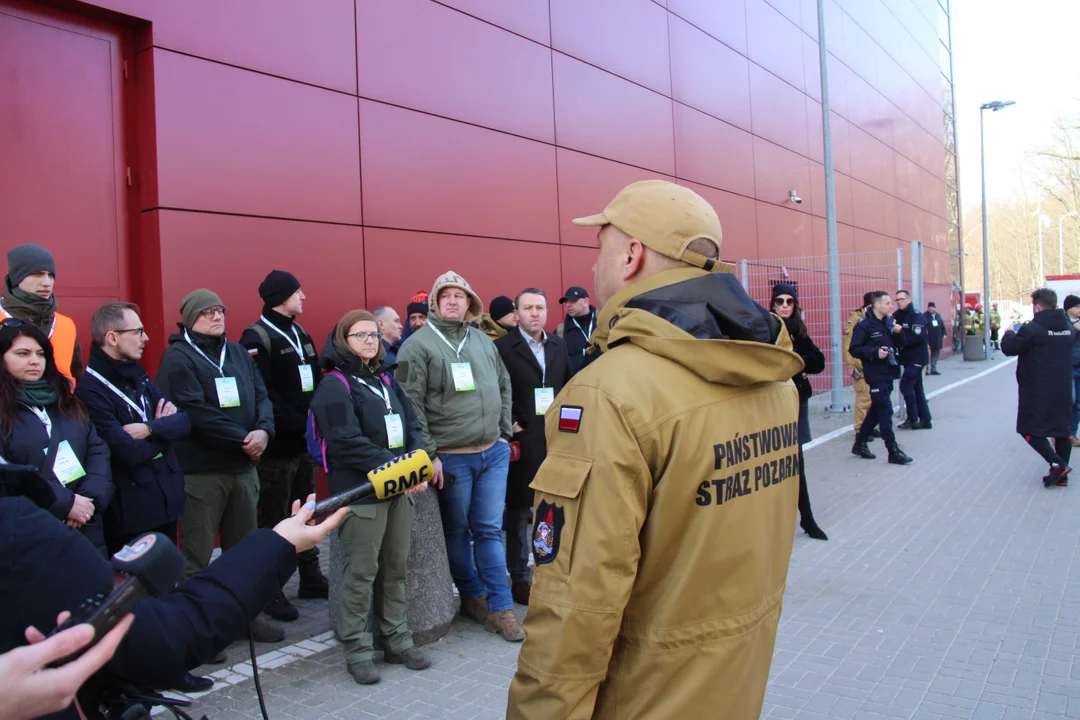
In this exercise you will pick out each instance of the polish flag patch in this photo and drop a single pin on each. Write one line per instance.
(569, 419)
(253, 351)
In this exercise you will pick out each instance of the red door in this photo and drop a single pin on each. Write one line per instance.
(63, 178)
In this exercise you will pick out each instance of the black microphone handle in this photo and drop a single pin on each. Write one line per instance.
(350, 497)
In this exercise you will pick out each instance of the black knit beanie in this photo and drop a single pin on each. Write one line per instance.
(500, 307)
(1071, 301)
(418, 305)
(278, 287)
(784, 289)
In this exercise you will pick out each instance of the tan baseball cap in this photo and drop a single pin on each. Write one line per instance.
(666, 218)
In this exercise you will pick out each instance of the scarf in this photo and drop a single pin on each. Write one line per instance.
(39, 393)
(28, 306)
(120, 373)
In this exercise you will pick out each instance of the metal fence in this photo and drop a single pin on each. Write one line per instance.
(859, 273)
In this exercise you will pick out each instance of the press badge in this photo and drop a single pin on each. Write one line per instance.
(544, 397)
(395, 432)
(463, 379)
(307, 379)
(66, 465)
(228, 393)
(934, 323)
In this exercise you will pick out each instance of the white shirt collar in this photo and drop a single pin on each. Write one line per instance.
(528, 338)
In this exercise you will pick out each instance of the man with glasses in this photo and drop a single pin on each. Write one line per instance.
(232, 421)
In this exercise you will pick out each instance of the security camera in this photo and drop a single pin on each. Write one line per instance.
(795, 198)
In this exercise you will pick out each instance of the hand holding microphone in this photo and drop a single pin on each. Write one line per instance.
(402, 474)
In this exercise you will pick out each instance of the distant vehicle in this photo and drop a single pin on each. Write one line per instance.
(1063, 285)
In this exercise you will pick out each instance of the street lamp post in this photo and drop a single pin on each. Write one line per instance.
(1061, 243)
(1041, 221)
(993, 107)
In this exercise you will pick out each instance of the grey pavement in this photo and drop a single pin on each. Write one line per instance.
(947, 589)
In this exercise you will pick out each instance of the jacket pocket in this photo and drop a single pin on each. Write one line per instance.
(368, 512)
(558, 487)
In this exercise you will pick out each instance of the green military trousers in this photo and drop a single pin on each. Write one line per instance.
(216, 502)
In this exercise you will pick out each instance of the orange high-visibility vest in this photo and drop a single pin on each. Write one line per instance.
(63, 342)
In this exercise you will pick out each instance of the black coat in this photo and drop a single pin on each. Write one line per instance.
(869, 335)
(217, 434)
(525, 377)
(46, 568)
(575, 333)
(1043, 373)
(912, 343)
(935, 334)
(26, 445)
(351, 422)
(813, 362)
(279, 366)
(146, 473)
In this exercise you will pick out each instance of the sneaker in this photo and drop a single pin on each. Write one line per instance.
(520, 592)
(475, 609)
(1058, 476)
(861, 449)
(412, 658)
(506, 624)
(264, 632)
(281, 609)
(192, 684)
(313, 585)
(364, 672)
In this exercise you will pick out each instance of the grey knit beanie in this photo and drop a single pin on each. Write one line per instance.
(26, 260)
(195, 302)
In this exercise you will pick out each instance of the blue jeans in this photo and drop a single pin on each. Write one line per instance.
(1076, 403)
(473, 506)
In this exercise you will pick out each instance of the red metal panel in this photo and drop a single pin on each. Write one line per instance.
(777, 172)
(869, 213)
(774, 42)
(708, 75)
(841, 137)
(641, 52)
(815, 133)
(845, 211)
(738, 220)
(861, 51)
(725, 21)
(577, 269)
(586, 185)
(779, 110)
(817, 189)
(469, 70)
(604, 115)
(712, 152)
(866, 154)
(812, 68)
(492, 267)
(524, 17)
(890, 209)
(427, 173)
(221, 128)
(790, 9)
(783, 233)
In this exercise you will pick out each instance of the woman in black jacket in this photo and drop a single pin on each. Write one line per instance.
(785, 303)
(366, 420)
(44, 426)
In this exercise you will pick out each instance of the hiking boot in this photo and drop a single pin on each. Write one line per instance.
(506, 624)
(475, 609)
(281, 609)
(875, 433)
(264, 632)
(520, 592)
(313, 584)
(897, 456)
(861, 449)
(364, 672)
(810, 527)
(411, 658)
(908, 425)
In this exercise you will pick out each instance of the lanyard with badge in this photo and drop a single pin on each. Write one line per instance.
(543, 396)
(228, 391)
(307, 378)
(588, 335)
(395, 431)
(462, 371)
(66, 465)
(141, 411)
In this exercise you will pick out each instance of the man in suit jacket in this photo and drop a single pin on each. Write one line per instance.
(539, 366)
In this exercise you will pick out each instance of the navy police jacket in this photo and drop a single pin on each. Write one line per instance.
(914, 343)
(869, 335)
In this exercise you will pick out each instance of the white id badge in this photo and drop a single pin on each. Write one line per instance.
(544, 397)
(463, 379)
(307, 379)
(66, 466)
(395, 432)
(934, 323)
(228, 393)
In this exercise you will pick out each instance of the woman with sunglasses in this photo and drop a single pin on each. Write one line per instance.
(785, 303)
(366, 420)
(43, 425)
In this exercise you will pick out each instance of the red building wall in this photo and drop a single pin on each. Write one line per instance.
(369, 145)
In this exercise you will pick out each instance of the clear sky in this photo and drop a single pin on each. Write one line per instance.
(1022, 50)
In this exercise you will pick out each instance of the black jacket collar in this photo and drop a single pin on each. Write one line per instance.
(283, 322)
(121, 373)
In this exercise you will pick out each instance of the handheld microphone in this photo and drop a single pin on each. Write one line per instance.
(393, 478)
(150, 565)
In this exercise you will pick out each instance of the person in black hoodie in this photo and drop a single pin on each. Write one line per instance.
(785, 303)
(232, 421)
(285, 356)
(1044, 376)
(46, 427)
(577, 329)
(366, 420)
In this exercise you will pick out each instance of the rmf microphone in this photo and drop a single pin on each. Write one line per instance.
(150, 565)
(393, 478)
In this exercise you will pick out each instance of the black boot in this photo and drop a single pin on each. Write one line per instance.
(810, 527)
(897, 456)
(908, 425)
(875, 433)
(281, 609)
(926, 425)
(313, 584)
(192, 684)
(861, 449)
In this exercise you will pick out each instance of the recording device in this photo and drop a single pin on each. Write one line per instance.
(891, 358)
(150, 565)
(393, 478)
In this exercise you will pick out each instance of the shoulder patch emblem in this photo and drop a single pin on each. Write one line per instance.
(548, 528)
(918, 329)
(570, 418)
(253, 351)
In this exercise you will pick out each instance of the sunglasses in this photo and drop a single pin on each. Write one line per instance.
(784, 301)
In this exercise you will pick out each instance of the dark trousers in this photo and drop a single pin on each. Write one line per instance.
(113, 544)
(880, 413)
(806, 514)
(517, 524)
(935, 355)
(1076, 404)
(1058, 455)
(282, 480)
(994, 338)
(911, 387)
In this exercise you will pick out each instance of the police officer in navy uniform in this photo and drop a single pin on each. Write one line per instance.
(914, 355)
(872, 342)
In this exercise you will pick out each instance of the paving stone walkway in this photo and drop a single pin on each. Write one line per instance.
(947, 589)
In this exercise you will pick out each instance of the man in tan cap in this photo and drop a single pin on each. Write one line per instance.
(666, 507)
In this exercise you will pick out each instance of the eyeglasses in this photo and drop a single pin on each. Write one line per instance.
(210, 312)
(364, 337)
(138, 331)
(784, 301)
